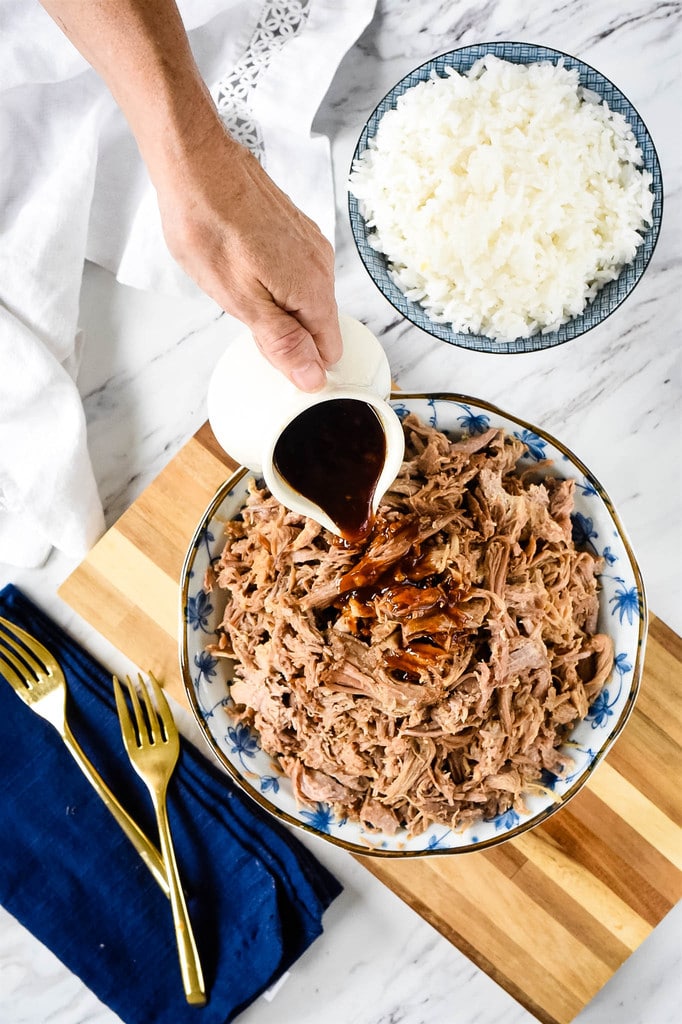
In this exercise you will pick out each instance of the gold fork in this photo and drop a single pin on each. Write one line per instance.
(35, 675)
(153, 746)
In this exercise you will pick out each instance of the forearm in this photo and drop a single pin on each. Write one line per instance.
(225, 221)
(140, 49)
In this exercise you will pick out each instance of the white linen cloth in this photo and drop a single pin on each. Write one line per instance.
(73, 187)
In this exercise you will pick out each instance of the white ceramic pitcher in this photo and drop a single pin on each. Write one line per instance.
(250, 404)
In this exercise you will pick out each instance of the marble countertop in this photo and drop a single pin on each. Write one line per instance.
(613, 396)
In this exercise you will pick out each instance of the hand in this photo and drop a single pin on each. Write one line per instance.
(234, 232)
(243, 241)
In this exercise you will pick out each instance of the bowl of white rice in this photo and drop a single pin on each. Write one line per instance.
(505, 197)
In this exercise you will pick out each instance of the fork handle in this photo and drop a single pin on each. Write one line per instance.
(188, 955)
(147, 851)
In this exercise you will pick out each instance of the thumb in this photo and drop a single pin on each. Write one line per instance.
(290, 348)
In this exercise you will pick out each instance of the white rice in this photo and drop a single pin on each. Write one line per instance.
(504, 198)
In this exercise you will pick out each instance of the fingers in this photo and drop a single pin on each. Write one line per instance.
(286, 343)
(325, 331)
(301, 341)
(307, 294)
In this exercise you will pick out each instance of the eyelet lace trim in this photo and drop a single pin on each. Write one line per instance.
(279, 22)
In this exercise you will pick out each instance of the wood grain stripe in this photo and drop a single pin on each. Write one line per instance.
(579, 916)
(612, 869)
(506, 911)
(142, 640)
(578, 884)
(636, 812)
(479, 926)
(125, 565)
(651, 762)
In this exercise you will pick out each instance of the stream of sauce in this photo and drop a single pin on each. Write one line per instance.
(333, 454)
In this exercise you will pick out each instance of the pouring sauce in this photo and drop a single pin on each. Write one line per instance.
(333, 454)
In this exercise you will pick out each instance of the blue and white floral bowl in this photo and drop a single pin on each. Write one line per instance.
(622, 614)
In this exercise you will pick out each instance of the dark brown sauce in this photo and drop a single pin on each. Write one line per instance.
(401, 580)
(333, 455)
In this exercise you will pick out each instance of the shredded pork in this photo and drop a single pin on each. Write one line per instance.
(431, 672)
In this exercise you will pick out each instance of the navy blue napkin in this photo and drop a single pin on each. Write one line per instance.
(67, 872)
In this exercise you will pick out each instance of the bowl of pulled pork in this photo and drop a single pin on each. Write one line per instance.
(443, 684)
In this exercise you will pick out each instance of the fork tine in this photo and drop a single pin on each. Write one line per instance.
(27, 650)
(165, 714)
(16, 681)
(127, 728)
(152, 717)
(140, 723)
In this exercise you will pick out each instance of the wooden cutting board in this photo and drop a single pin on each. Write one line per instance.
(551, 915)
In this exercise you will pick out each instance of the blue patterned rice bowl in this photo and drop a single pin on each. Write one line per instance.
(608, 298)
